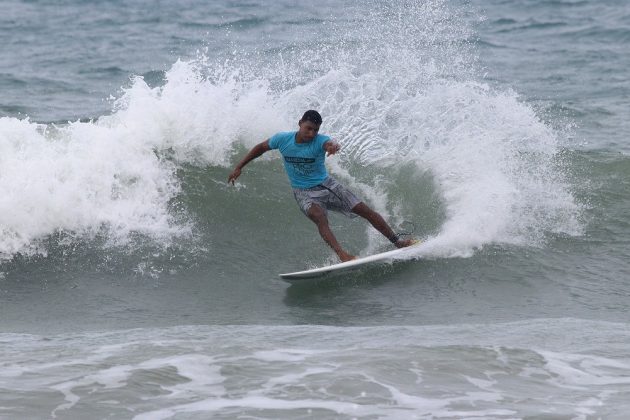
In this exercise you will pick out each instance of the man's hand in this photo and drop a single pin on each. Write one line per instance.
(235, 174)
(331, 147)
(256, 151)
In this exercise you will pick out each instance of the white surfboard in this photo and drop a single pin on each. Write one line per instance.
(383, 257)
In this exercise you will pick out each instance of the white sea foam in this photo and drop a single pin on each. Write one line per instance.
(77, 179)
(117, 174)
(490, 370)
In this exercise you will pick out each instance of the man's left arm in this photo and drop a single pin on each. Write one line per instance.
(331, 147)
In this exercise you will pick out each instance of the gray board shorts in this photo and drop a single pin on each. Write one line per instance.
(329, 195)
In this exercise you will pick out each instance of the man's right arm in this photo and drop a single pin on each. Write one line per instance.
(256, 151)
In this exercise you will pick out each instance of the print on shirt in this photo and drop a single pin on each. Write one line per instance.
(301, 165)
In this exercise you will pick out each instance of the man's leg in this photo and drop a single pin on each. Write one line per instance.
(318, 216)
(380, 224)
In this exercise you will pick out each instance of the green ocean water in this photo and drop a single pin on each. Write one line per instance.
(136, 283)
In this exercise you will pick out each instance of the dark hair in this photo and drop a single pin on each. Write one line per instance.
(312, 116)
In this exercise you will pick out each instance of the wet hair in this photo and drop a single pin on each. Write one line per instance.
(312, 116)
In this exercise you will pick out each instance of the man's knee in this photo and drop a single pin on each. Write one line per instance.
(316, 213)
(362, 210)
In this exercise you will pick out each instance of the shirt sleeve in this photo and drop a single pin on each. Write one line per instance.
(323, 140)
(274, 141)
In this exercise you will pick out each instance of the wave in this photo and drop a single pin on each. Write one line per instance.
(405, 102)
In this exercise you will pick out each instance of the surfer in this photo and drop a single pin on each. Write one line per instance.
(304, 152)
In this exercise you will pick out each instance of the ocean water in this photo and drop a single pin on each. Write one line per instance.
(136, 283)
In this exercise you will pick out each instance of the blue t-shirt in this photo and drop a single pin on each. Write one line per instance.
(303, 162)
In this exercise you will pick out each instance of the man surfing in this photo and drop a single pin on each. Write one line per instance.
(304, 152)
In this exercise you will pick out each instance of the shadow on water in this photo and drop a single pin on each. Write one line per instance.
(349, 298)
(369, 277)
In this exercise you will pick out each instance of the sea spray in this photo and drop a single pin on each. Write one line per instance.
(495, 165)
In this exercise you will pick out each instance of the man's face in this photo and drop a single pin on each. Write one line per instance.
(308, 130)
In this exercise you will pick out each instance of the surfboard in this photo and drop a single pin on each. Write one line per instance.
(316, 273)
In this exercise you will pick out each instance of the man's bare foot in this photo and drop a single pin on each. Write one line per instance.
(344, 256)
(402, 243)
